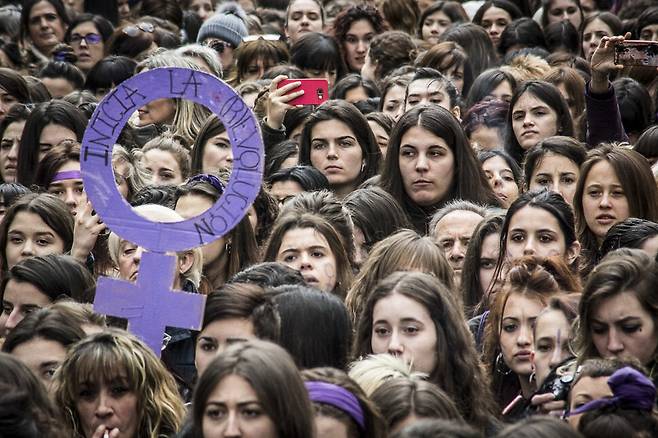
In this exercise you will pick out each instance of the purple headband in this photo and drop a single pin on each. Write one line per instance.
(338, 397)
(69, 174)
(631, 390)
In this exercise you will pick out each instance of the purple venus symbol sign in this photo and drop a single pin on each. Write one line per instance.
(150, 304)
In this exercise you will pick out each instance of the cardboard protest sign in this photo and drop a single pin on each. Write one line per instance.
(150, 305)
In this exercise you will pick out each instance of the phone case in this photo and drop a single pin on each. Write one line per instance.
(316, 91)
(637, 53)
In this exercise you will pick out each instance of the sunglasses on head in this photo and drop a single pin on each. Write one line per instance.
(133, 31)
(266, 37)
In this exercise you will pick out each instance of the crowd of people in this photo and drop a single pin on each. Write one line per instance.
(460, 241)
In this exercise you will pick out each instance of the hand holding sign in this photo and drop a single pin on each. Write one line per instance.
(150, 305)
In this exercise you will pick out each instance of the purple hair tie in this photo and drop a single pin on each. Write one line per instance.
(69, 174)
(631, 390)
(338, 397)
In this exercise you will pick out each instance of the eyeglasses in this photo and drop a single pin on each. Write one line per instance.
(90, 38)
(218, 45)
(133, 31)
(266, 37)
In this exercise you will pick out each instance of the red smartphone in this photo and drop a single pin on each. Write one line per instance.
(637, 53)
(316, 91)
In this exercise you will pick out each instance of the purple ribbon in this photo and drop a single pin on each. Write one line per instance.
(69, 174)
(338, 397)
(631, 390)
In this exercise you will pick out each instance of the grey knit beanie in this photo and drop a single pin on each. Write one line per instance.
(226, 25)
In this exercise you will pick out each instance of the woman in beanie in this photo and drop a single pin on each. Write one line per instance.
(224, 32)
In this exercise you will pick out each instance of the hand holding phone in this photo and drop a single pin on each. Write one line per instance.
(316, 91)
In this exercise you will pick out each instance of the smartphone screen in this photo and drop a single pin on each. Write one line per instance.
(637, 53)
(316, 91)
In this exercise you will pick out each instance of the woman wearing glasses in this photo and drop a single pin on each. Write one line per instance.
(87, 36)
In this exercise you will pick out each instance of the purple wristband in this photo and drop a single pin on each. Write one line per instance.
(338, 397)
(69, 174)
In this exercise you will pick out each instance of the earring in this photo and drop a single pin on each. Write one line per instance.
(363, 165)
(227, 248)
(500, 366)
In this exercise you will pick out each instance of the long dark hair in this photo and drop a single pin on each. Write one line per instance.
(469, 182)
(551, 96)
(459, 372)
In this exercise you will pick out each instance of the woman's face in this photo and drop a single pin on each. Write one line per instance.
(256, 69)
(9, 143)
(42, 356)
(284, 190)
(121, 172)
(130, 255)
(394, 101)
(456, 76)
(494, 21)
(162, 167)
(87, 44)
(217, 154)
(403, 327)
(189, 206)
(488, 259)
(357, 42)
(500, 177)
(552, 334)
(20, 299)
(369, 69)
(303, 16)
(534, 231)
(486, 138)
(308, 251)
(556, 173)
(427, 166)
(108, 406)
(516, 338)
(502, 92)
(533, 120)
(218, 335)
(234, 410)
(434, 26)
(592, 35)
(45, 26)
(53, 134)
(69, 188)
(585, 390)
(427, 91)
(7, 101)
(157, 111)
(381, 136)
(328, 73)
(621, 326)
(336, 152)
(29, 236)
(203, 8)
(564, 10)
(604, 200)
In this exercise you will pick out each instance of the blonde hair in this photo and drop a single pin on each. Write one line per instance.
(370, 373)
(527, 68)
(163, 214)
(137, 177)
(115, 354)
(189, 116)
